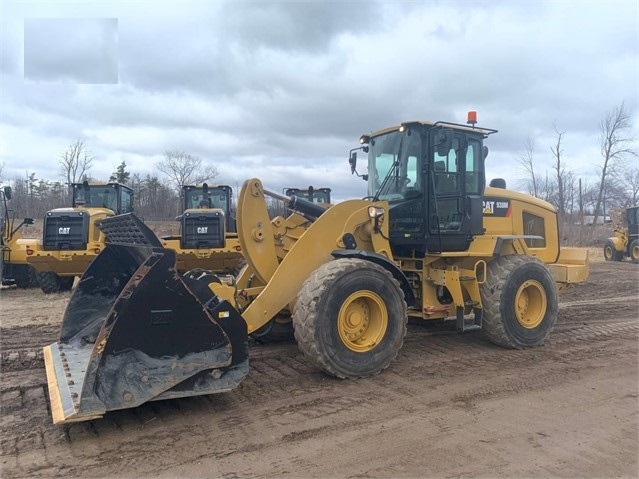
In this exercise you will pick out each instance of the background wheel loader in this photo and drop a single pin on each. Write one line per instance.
(429, 242)
(208, 238)
(314, 195)
(625, 242)
(14, 269)
(70, 238)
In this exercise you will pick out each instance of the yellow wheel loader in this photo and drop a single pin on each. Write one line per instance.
(625, 242)
(208, 238)
(70, 238)
(314, 195)
(429, 242)
(14, 269)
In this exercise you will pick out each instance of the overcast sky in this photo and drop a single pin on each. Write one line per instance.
(283, 90)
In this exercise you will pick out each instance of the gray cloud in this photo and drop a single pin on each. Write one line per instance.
(283, 90)
(71, 50)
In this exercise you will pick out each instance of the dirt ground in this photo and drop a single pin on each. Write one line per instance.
(450, 405)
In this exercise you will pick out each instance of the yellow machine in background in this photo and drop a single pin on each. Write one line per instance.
(208, 238)
(429, 242)
(14, 269)
(312, 194)
(625, 242)
(70, 237)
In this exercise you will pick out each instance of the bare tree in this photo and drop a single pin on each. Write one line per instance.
(616, 144)
(560, 172)
(626, 180)
(185, 169)
(531, 182)
(546, 188)
(631, 174)
(76, 162)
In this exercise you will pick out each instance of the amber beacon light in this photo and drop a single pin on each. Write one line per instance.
(472, 117)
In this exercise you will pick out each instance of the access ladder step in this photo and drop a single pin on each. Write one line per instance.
(473, 324)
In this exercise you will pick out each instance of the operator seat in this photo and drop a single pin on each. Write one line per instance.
(444, 182)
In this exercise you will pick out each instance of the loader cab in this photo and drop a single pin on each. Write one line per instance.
(113, 196)
(71, 228)
(632, 219)
(433, 176)
(316, 195)
(206, 216)
(207, 197)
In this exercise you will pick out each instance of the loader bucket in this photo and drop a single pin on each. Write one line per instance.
(136, 331)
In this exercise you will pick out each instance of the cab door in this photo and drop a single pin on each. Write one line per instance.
(457, 184)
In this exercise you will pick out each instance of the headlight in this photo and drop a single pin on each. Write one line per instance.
(375, 211)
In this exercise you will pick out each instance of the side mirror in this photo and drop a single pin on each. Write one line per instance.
(353, 161)
(485, 151)
(7, 192)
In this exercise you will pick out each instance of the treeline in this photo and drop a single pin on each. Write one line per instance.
(153, 198)
(580, 203)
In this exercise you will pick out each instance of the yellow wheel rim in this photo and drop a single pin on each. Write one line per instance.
(362, 321)
(635, 252)
(530, 304)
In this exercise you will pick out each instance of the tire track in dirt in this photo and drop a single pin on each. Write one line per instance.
(251, 410)
(285, 400)
(424, 356)
(592, 302)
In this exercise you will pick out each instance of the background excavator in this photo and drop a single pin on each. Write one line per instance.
(429, 242)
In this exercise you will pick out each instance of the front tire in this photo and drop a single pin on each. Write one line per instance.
(520, 302)
(611, 253)
(634, 251)
(350, 318)
(52, 283)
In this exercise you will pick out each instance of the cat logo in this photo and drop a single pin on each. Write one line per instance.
(499, 207)
(202, 230)
(489, 207)
(64, 231)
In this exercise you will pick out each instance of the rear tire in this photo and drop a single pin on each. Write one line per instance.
(350, 318)
(520, 302)
(634, 251)
(277, 330)
(25, 276)
(52, 283)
